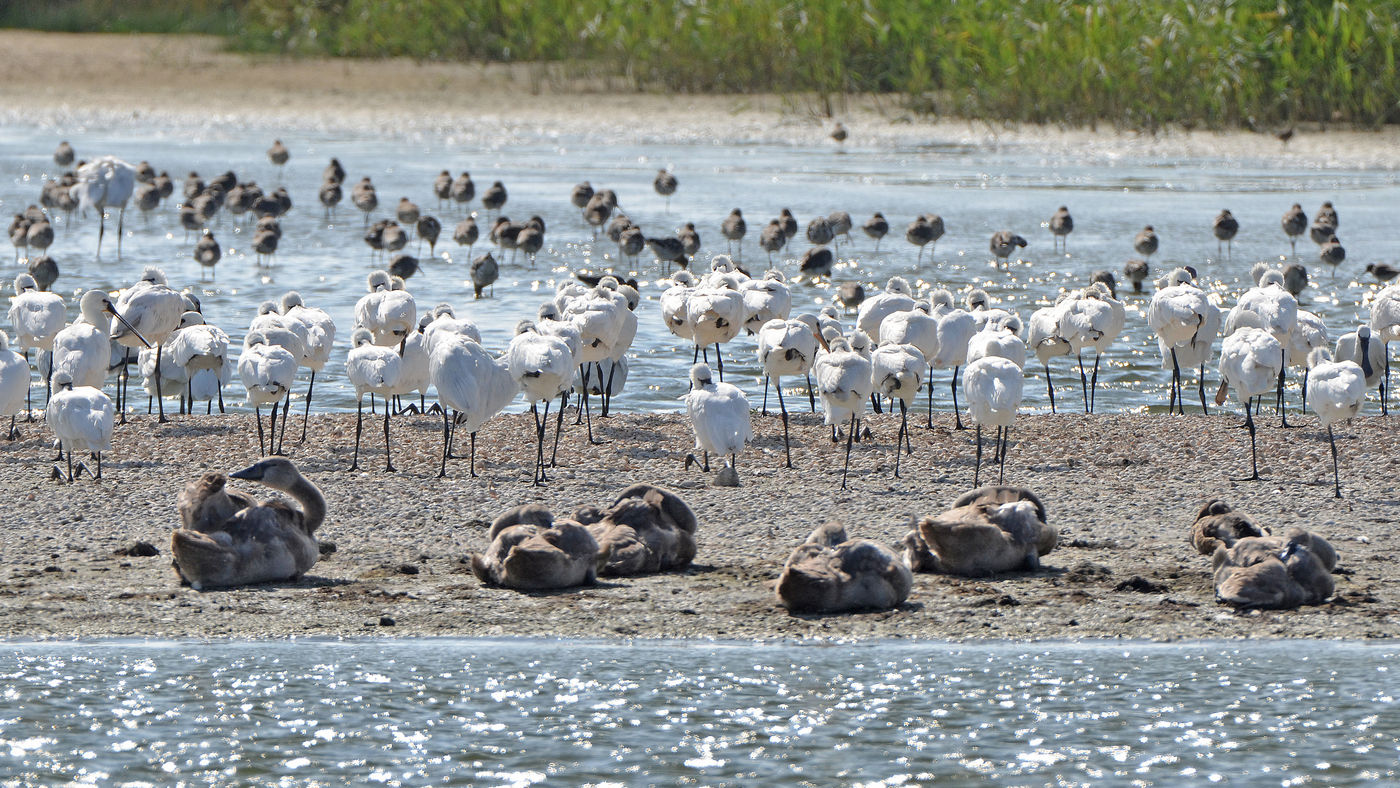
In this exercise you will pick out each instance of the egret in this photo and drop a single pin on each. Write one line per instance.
(1337, 390)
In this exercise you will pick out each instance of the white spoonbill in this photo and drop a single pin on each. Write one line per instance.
(897, 371)
(993, 387)
(81, 419)
(1250, 362)
(1267, 305)
(955, 329)
(1337, 390)
(765, 299)
(897, 297)
(1385, 328)
(915, 327)
(151, 313)
(1044, 340)
(105, 182)
(82, 350)
(36, 318)
(1360, 346)
(1186, 324)
(14, 383)
(787, 347)
(999, 338)
(716, 315)
(1308, 334)
(320, 339)
(844, 383)
(371, 369)
(719, 417)
(472, 387)
(202, 350)
(1091, 318)
(267, 372)
(543, 367)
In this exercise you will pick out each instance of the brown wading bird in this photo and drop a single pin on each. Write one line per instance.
(1275, 573)
(1145, 243)
(665, 185)
(830, 573)
(648, 529)
(1061, 225)
(1295, 223)
(228, 539)
(1225, 227)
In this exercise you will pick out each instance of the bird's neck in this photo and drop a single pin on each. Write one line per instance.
(313, 504)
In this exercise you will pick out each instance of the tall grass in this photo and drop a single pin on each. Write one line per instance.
(1138, 63)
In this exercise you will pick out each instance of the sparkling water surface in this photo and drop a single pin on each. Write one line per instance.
(525, 712)
(1112, 192)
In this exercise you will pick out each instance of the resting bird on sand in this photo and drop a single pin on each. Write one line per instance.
(988, 530)
(832, 574)
(256, 543)
(649, 529)
(530, 550)
(1275, 573)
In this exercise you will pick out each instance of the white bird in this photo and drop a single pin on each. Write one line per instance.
(543, 367)
(915, 327)
(1337, 390)
(716, 315)
(719, 417)
(600, 322)
(471, 386)
(611, 380)
(897, 297)
(1251, 360)
(414, 353)
(765, 299)
(173, 380)
(105, 182)
(999, 338)
(267, 372)
(955, 329)
(897, 371)
(81, 420)
(993, 387)
(979, 305)
(1186, 324)
(83, 350)
(786, 347)
(446, 323)
(320, 340)
(1309, 333)
(1269, 306)
(389, 314)
(202, 350)
(1385, 327)
(371, 369)
(844, 383)
(1091, 317)
(1360, 346)
(673, 305)
(150, 312)
(36, 318)
(1044, 340)
(14, 383)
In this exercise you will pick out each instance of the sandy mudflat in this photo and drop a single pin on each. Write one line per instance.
(1122, 490)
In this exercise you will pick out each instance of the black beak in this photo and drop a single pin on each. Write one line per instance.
(1366, 368)
(124, 322)
(252, 473)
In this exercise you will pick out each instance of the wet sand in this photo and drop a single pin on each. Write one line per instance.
(1122, 490)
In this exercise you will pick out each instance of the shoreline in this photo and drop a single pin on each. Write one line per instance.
(399, 557)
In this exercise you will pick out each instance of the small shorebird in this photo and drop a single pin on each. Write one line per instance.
(1004, 243)
(926, 229)
(1383, 272)
(876, 227)
(1332, 253)
(1225, 227)
(1295, 223)
(665, 185)
(1146, 242)
(1061, 225)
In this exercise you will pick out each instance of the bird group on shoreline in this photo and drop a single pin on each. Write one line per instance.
(576, 348)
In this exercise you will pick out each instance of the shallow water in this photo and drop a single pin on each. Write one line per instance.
(1112, 189)
(530, 711)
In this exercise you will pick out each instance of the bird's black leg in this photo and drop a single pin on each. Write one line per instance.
(1336, 478)
(849, 437)
(388, 462)
(957, 414)
(977, 464)
(1084, 382)
(306, 416)
(473, 460)
(811, 394)
(1094, 382)
(257, 415)
(558, 427)
(1201, 383)
(764, 411)
(930, 397)
(446, 436)
(1049, 386)
(359, 422)
(787, 444)
(1005, 443)
(160, 394)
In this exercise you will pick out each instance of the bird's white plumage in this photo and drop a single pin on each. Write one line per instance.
(35, 316)
(897, 297)
(715, 314)
(786, 347)
(845, 380)
(1184, 319)
(995, 341)
(765, 299)
(82, 350)
(1043, 336)
(1308, 334)
(1336, 390)
(319, 331)
(993, 388)
(1385, 314)
(1091, 318)
(14, 379)
(541, 365)
(468, 380)
(267, 371)
(1360, 346)
(897, 371)
(719, 414)
(81, 418)
(911, 327)
(152, 308)
(1250, 362)
(955, 329)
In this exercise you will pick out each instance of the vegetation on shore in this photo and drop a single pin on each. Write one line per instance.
(1134, 63)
